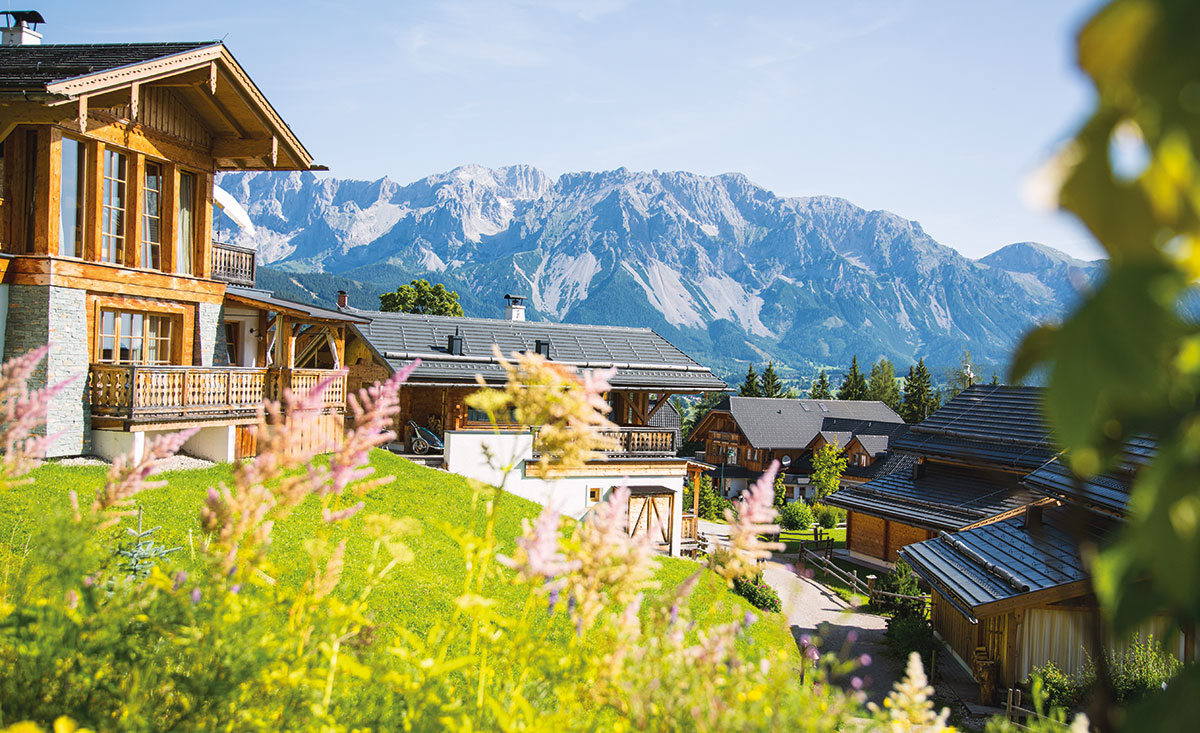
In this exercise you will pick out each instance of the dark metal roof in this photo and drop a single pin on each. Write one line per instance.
(945, 497)
(782, 423)
(1003, 560)
(986, 424)
(31, 68)
(1108, 492)
(267, 299)
(644, 359)
(650, 491)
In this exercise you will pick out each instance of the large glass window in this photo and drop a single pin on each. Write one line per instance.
(152, 217)
(135, 338)
(112, 212)
(185, 232)
(72, 178)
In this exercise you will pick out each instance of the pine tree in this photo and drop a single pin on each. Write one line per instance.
(771, 386)
(820, 389)
(854, 386)
(883, 385)
(751, 387)
(919, 398)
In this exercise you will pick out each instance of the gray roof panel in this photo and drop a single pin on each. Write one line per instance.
(32, 68)
(782, 423)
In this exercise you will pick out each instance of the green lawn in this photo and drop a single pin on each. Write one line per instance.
(415, 594)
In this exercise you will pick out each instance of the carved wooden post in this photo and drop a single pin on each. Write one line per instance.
(871, 588)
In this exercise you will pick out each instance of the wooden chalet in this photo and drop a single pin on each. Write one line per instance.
(960, 468)
(742, 435)
(1013, 594)
(108, 156)
(455, 351)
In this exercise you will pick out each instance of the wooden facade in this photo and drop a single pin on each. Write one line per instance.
(107, 188)
(878, 538)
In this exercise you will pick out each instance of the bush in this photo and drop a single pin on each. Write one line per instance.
(1060, 690)
(910, 632)
(795, 516)
(758, 593)
(827, 516)
(902, 581)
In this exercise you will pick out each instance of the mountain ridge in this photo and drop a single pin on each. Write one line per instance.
(716, 263)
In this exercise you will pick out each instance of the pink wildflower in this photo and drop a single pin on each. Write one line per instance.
(127, 477)
(756, 517)
(538, 558)
(342, 514)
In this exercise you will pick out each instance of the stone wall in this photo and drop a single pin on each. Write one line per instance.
(210, 336)
(38, 315)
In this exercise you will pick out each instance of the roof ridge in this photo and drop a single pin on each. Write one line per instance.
(477, 319)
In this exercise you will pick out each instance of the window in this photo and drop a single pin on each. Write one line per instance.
(185, 224)
(112, 210)
(594, 494)
(233, 340)
(135, 338)
(474, 415)
(72, 184)
(152, 217)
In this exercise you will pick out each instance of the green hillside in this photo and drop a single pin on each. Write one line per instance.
(414, 595)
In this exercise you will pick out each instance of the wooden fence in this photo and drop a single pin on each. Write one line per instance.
(861, 586)
(1017, 715)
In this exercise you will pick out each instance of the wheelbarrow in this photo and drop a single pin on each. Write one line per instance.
(424, 439)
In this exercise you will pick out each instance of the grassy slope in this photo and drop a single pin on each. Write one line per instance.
(415, 594)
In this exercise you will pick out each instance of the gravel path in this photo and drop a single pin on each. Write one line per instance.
(813, 610)
(174, 463)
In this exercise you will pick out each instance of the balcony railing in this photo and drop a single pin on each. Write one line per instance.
(233, 264)
(150, 393)
(637, 442)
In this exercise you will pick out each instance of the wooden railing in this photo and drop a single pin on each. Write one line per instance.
(233, 264)
(642, 442)
(689, 526)
(181, 393)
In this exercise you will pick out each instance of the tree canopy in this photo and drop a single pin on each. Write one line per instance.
(854, 385)
(771, 386)
(962, 376)
(829, 463)
(820, 389)
(883, 385)
(750, 385)
(920, 400)
(421, 297)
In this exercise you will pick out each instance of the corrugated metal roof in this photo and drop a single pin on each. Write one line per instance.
(1108, 492)
(987, 424)
(1003, 560)
(644, 359)
(31, 68)
(944, 498)
(782, 423)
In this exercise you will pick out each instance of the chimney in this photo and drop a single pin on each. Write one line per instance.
(454, 344)
(343, 300)
(515, 311)
(1033, 516)
(20, 29)
(542, 346)
(918, 469)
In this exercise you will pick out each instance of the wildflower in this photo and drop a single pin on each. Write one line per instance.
(127, 477)
(195, 595)
(856, 683)
(909, 705)
(180, 579)
(23, 413)
(342, 514)
(538, 558)
(865, 660)
(755, 518)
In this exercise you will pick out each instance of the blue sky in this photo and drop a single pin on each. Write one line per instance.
(937, 111)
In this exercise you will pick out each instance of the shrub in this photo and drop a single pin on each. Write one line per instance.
(1142, 667)
(760, 595)
(902, 581)
(795, 516)
(1059, 689)
(827, 516)
(910, 632)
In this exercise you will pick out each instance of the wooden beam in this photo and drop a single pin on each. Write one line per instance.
(135, 100)
(135, 173)
(235, 148)
(91, 201)
(1025, 600)
(662, 400)
(33, 113)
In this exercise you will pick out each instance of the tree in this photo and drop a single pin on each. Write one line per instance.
(883, 385)
(423, 298)
(695, 412)
(780, 491)
(919, 398)
(829, 463)
(961, 377)
(854, 386)
(750, 387)
(771, 386)
(820, 389)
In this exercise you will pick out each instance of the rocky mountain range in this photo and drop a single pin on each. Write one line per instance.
(724, 268)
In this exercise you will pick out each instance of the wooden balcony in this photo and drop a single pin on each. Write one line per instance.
(637, 442)
(233, 264)
(186, 393)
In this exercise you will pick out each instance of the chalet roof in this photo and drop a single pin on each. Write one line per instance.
(267, 300)
(667, 417)
(987, 425)
(1106, 493)
(943, 498)
(873, 444)
(33, 68)
(644, 359)
(980, 567)
(63, 82)
(783, 423)
(840, 437)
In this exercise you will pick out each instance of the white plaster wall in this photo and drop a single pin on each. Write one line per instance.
(108, 444)
(465, 454)
(215, 443)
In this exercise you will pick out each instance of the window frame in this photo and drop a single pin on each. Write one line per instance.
(82, 202)
(113, 237)
(150, 251)
(193, 223)
(148, 334)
